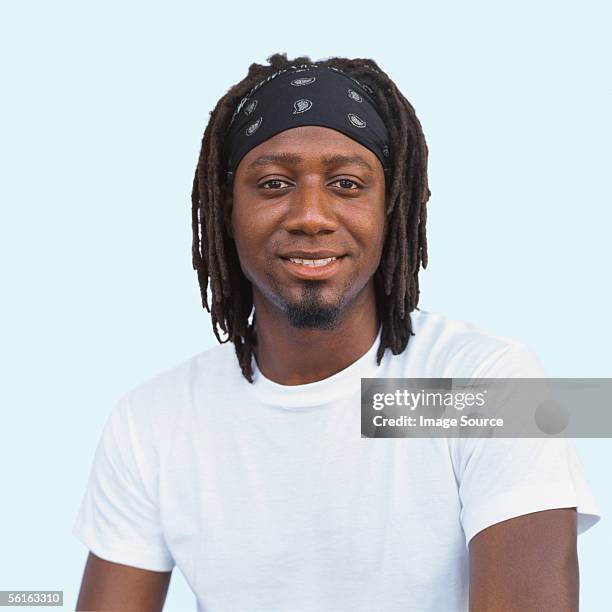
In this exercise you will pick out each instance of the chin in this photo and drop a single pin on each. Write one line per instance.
(322, 317)
(312, 311)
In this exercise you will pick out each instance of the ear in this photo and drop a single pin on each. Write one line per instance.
(385, 228)
(228, 204)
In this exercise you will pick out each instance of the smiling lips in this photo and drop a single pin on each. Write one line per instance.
(315, 266)
(320, 254)
(312, 262)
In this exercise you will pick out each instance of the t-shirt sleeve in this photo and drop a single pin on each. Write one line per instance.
(119, 517)
(502, 478)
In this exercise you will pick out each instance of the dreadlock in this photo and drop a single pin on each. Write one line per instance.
(214, 254)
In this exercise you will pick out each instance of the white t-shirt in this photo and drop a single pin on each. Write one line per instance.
(267, 497)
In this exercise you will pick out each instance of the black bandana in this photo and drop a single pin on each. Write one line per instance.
(313, 95)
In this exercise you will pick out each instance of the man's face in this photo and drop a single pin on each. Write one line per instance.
(308, 194)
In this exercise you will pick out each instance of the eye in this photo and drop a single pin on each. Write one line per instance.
(346, 184)
(272, 184)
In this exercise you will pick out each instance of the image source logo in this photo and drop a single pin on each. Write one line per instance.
(486, 408)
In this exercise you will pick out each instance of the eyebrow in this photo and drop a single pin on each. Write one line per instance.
(295, 160)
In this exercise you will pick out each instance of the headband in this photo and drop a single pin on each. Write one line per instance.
(306, 95)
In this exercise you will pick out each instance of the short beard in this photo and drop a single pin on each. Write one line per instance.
(309, 313)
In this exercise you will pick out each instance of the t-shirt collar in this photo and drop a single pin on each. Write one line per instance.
(321, 392)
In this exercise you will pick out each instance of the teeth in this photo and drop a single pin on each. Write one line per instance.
(312, 262)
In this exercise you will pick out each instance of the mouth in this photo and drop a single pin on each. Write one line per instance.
(313, 268)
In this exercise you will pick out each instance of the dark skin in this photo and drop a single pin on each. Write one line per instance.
(526, 564)
(280, 207)
(322, 202)
(113, 586)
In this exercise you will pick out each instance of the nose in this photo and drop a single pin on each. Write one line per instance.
(310, 210)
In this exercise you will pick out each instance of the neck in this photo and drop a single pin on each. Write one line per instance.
(292, 356)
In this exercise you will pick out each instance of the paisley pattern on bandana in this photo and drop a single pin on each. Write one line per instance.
(354, 95)
(250, 107)
(253, 127)
(301, 106)
(333, 99)
(303, 81)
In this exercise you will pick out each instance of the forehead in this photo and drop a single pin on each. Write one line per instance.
(310, 144)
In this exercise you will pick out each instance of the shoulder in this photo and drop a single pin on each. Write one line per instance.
(443, 346)
(154, 405)
(214, 364)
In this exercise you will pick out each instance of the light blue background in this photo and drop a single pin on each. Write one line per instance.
(104, 106)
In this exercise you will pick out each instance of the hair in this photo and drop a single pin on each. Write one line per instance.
(214, 255)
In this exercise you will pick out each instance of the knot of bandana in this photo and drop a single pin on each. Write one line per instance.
(306, 95)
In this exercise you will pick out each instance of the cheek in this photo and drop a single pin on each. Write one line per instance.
(250, 238)
(371, 236)
(246, 254)
(240, 226)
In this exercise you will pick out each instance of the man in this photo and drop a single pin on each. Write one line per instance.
(244, 465)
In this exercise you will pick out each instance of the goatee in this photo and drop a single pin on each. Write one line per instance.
(310, 313)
